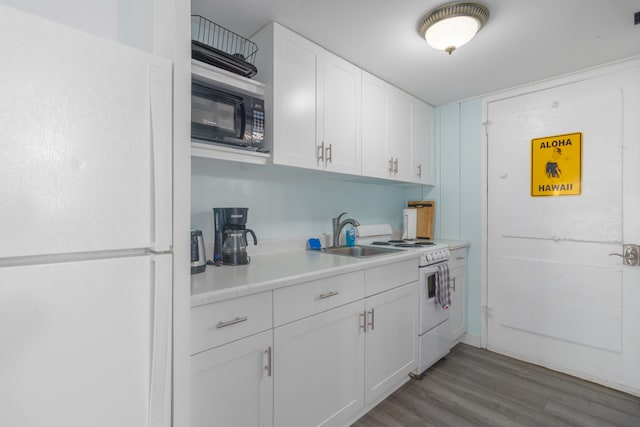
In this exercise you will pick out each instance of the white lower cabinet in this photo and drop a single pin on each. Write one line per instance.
(390, 344)
(232, 385)
(319, 368)
(458, 287)
(332, 354)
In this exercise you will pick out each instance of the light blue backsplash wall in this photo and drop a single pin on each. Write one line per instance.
(291, 203)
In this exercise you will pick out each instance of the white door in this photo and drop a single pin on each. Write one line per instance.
(555, 296)
(76, 343)
(232, 385)
(319, 368)
(391, 339)
(85, 146)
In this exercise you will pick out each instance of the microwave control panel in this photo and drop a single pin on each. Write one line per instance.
(257, 129)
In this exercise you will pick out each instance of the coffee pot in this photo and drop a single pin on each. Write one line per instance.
(230, 236)
(234, 249)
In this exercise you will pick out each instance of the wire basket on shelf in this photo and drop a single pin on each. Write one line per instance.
(216, 45)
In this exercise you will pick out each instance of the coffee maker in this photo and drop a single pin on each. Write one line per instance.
(230, 236)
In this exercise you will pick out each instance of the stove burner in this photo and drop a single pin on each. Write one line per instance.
(404, 245)
(381, 243)
(397, 241)
(424, 243)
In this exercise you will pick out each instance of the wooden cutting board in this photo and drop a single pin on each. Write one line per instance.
(425, 217)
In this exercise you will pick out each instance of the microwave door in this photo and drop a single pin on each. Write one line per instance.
(216, 116)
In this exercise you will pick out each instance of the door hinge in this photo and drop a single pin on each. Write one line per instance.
(485, 312)
(486, 127)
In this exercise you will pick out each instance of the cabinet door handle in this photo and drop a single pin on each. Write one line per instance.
(363, 321)
(320, 153)
(372, 323)
(232, 322)
(460, 258)
(391, 165)
(419, 170)
(329, 154)
(395, 165)
(453, 286)
(328, 295)
(268, 351)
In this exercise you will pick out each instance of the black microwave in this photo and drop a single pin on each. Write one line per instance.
(220, 116)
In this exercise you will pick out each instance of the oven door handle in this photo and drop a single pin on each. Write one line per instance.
(428, 269)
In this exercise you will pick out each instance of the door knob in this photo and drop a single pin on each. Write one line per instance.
(630, 255)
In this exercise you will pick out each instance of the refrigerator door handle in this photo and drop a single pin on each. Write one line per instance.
(160, 373)
(161, 138)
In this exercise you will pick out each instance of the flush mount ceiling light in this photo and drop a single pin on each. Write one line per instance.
(453, 24)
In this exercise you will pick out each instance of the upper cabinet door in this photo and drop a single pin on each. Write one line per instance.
(85, 142)
(399, 133)
(341, 100)
(375, 159)
(422, 143)
(295, 114)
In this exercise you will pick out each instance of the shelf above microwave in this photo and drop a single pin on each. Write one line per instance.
(210, 151)
(209, 74)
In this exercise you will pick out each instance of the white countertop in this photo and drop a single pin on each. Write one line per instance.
(268, 271)
(454, 244)
(272, 271)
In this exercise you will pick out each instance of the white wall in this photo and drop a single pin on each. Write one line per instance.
(289, 203)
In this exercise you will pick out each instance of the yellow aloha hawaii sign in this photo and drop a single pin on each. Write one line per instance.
(556, 165)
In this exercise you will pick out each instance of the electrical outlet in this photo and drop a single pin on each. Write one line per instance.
(636, 18)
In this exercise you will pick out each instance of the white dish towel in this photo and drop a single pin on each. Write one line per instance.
(443, 294)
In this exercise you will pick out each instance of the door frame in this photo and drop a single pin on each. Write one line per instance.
(587, 74)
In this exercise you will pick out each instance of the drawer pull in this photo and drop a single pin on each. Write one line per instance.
(328, 295)
(460, 257)
(231, 322)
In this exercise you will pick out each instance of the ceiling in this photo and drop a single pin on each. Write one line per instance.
(524, 41)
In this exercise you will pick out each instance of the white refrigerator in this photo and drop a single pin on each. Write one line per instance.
(85, 229)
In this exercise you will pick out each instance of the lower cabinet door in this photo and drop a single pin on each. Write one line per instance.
(391, 339)
(319, 367)
(457, 311)
(232, 385)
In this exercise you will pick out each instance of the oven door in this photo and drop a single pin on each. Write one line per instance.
(431, 315)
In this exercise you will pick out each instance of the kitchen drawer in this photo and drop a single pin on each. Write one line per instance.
(222, 322)
(295, 302)
(389, 276)
(458, 258)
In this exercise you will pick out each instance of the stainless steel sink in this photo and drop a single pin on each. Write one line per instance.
(359, 251)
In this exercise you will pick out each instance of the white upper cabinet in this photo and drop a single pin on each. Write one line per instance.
(375, 162)
(399, 134)
(396, 133)
(324, 113)
(340, 129)
(313, 101)
(422, 143)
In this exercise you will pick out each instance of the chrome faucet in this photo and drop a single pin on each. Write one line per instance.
(338, 226)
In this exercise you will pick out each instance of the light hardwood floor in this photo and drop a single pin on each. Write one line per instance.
(475, 387)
